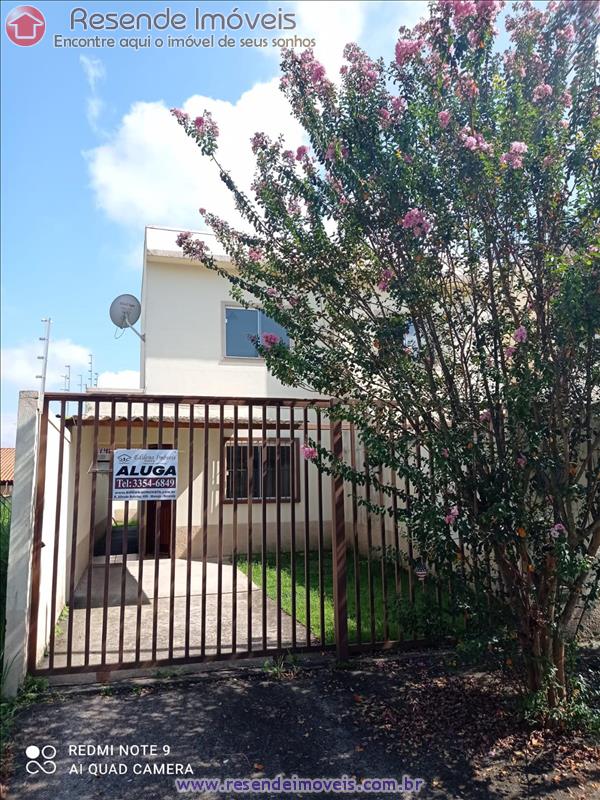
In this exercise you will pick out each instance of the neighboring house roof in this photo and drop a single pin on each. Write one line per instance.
(7, 464)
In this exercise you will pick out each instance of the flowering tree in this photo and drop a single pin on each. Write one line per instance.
(433, 254)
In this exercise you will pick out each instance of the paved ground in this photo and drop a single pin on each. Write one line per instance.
(386, 717)
(163, 606)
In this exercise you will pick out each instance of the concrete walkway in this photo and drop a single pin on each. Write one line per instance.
(162, 605)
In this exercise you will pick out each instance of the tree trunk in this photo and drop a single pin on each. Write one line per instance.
(544, 654)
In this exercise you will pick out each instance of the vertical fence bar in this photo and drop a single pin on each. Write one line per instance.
(173, 540)
(235, 487)
(61, 448)
(384, 596)
(125, 548)
(338, 546)
(411, 580)
(36, 563)
(220, 544)
(292, 480)
(190, 504)
(355, 544)
(157, 520)
(206, 443)
(321, 533)
(370, 552)
(88, 597)
(142, 530)
(74, 529)
(263, 492)
(397, 561)
(249, 493)
(306, 530)
(278, 518)
(108, 547)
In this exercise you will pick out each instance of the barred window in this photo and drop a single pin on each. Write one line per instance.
(264, 471)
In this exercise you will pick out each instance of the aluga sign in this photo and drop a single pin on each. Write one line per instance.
(145, 475)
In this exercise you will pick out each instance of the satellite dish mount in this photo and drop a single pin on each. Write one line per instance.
(125, 311)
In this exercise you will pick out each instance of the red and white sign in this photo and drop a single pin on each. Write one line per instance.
(25, 25)
(145, 475)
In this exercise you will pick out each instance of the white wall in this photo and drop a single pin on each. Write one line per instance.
(182, 318)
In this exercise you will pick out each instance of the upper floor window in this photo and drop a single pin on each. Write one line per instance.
(243, 326)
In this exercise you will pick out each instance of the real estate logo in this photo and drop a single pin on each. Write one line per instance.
(25, 25)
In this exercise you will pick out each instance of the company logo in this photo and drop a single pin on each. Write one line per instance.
(124, 458)
(41, 760)
(25, 25)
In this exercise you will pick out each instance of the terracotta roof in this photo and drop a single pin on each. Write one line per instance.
(7, 464)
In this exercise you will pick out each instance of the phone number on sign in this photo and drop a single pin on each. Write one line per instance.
(145, 483)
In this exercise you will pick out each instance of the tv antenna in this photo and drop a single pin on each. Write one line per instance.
(125, 311)
(44, 359)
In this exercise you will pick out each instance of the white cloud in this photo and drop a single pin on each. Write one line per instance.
(21, 364)
(333, 25)
(122, 379)
(8, 425)
(94, 70)
(150, 172)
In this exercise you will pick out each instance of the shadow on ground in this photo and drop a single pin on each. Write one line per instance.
(384, 717)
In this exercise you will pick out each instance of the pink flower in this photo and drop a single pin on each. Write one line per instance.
(384, 117)
(509, 351)
(269, 340)
(445, 452)
(317, 72)
(462, 8)
(566, 99)
(416, 221)
(399, 104)
(254, 254)
(179, 115)
(384, 280)
(520, 335)
(271, 292)
(567, 33)
(444, 118)
(521, 461)
(557, 529)
(541, 92)
(308, 452)
(470, 143)
(182, 238)
(199, 123)
(406, 49)
(518, 147)
(451, 516)
(564, 123)
(485, 416)
(548, 161)
(301, 152)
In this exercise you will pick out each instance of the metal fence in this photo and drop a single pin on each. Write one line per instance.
(260, 554)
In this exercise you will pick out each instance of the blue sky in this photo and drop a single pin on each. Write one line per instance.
(91, 155)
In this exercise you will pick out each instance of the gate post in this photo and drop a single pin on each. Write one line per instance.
(338, 546)
(20, 546)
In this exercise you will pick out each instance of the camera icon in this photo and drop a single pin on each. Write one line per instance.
(40, 759)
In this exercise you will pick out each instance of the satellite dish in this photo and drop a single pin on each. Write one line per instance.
(125, 311)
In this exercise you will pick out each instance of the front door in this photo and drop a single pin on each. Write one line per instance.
(158, 526)
(159, 516)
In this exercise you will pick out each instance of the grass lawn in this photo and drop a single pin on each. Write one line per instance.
(368, 621)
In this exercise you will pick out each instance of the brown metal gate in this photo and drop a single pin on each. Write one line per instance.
(261, 553)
